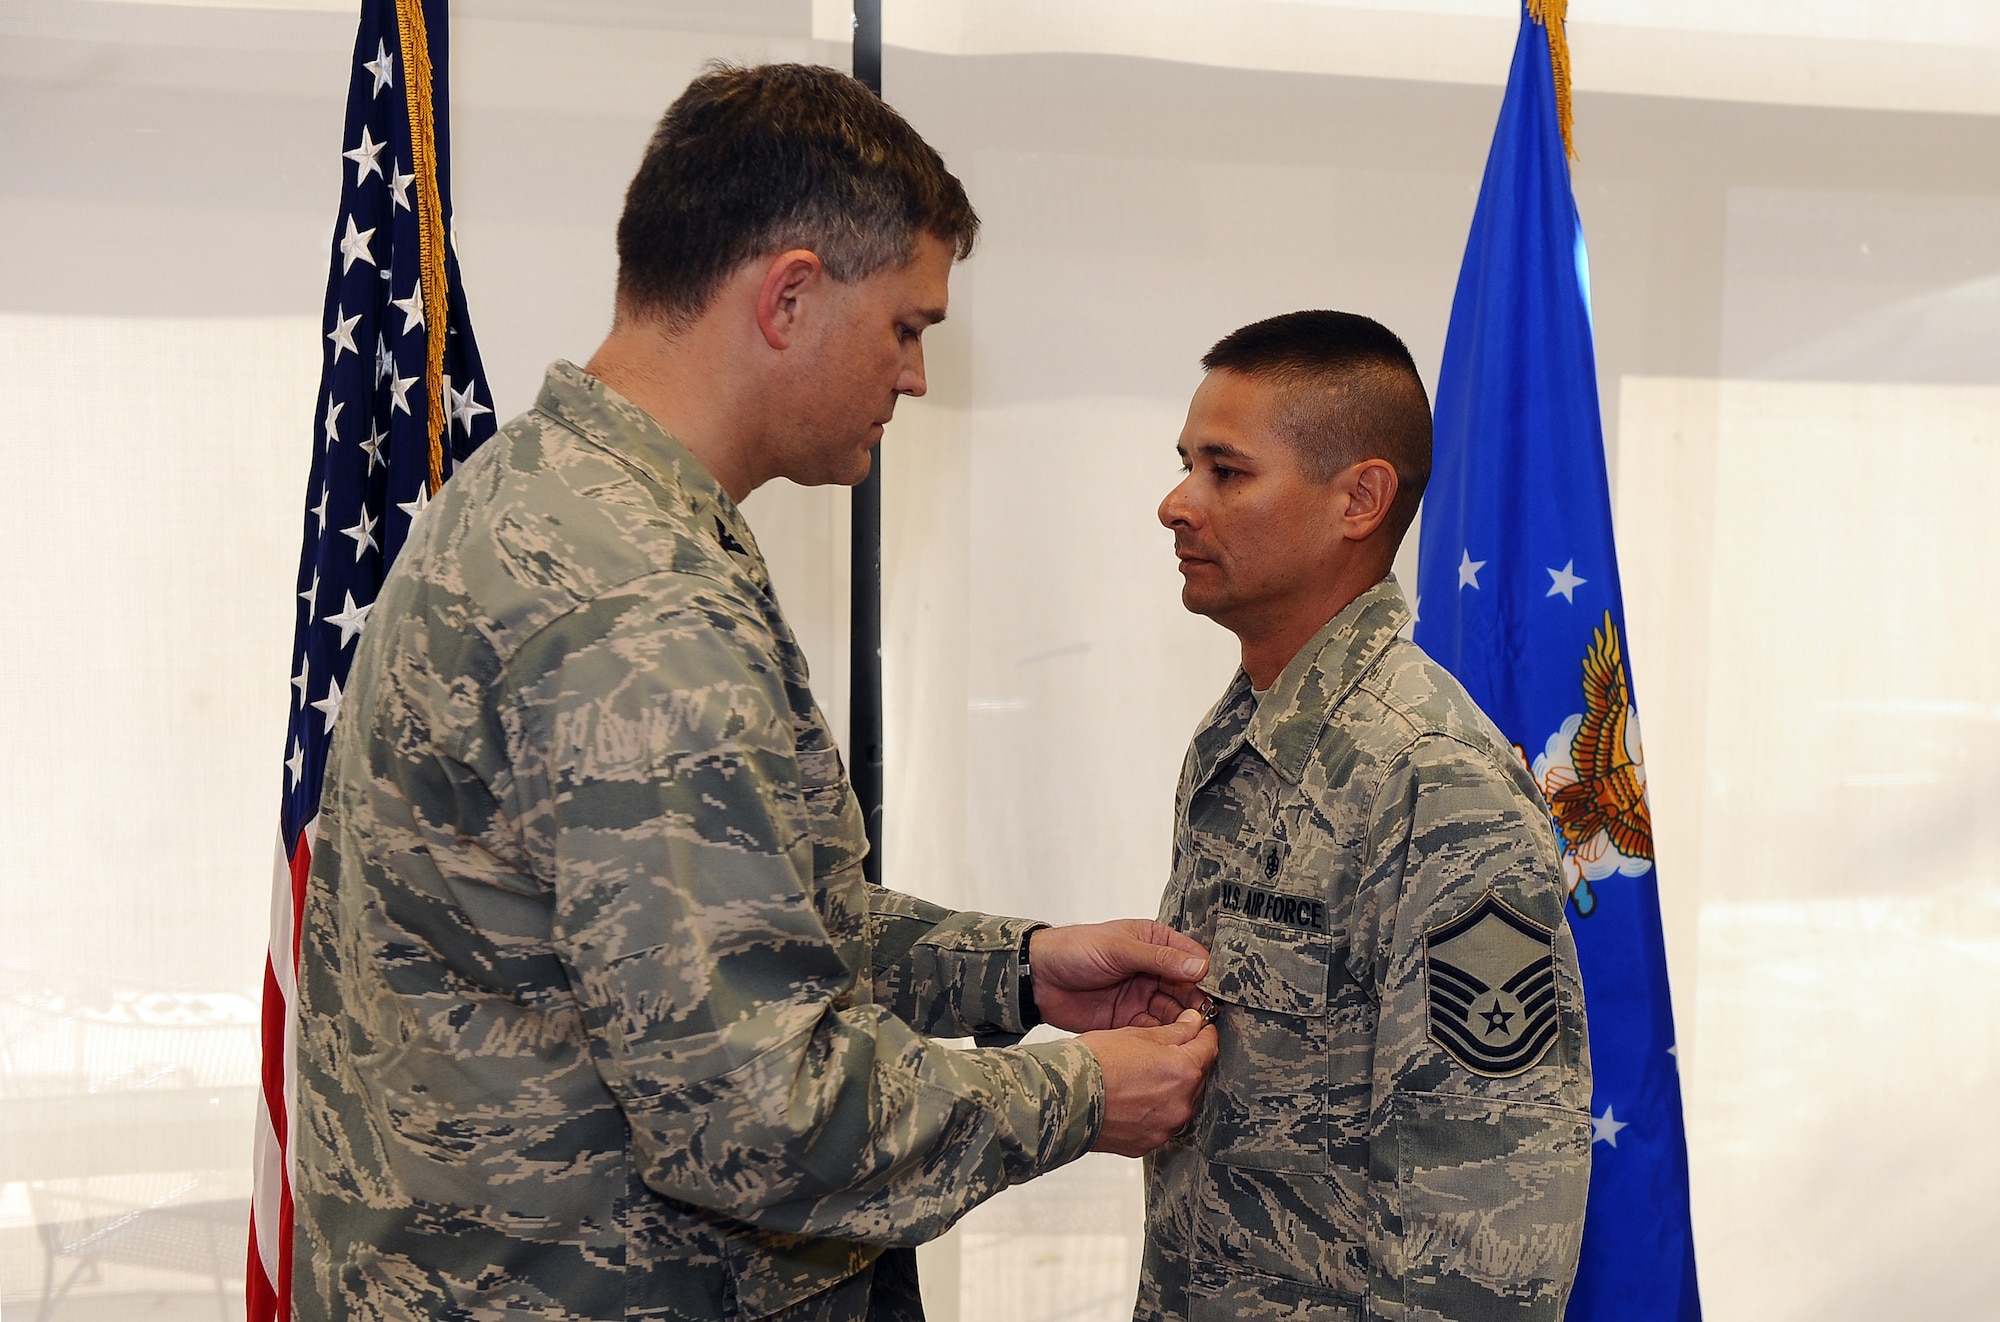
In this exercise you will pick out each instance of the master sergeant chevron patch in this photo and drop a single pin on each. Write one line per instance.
(1491, 988)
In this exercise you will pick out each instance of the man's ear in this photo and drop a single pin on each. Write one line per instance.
(1371, 490)
(787, 282)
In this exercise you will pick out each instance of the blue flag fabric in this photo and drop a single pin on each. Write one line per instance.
(1518, 596)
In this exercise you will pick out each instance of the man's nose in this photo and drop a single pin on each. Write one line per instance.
(912, 381)
(1175, 509)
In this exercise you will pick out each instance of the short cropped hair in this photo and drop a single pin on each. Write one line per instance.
(759, 160)
(1349, 391)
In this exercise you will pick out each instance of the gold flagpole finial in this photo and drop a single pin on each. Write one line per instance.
(1551, 15)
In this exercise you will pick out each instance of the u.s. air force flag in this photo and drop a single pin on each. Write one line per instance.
(1518, 596)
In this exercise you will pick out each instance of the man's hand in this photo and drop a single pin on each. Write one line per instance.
(1152, 1081)
(1121, 974)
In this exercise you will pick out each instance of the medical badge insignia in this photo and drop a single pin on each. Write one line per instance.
(1490, 988)
(1593, 773)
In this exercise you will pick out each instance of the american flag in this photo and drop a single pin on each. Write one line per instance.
(402, 398)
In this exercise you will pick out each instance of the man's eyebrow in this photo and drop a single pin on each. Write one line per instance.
(932, 316)
(1217, 450)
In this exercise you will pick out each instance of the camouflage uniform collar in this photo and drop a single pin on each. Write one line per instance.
(1286, 725)
(614, 424)
(1221, 733)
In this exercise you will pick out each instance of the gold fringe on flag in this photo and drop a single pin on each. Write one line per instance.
(1551, 14)
(430, 218)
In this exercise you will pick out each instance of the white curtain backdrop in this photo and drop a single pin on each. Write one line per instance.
(1793, 209)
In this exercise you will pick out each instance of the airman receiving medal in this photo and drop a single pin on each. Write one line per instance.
(1398, 1123)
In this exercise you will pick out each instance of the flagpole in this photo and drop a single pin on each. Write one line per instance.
(864, 707)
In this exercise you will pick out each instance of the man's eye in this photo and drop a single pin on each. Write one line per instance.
(1223, 473)
(906, 332)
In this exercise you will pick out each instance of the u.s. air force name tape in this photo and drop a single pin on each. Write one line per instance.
(1296, 911)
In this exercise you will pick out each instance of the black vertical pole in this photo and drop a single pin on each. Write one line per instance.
(868, 43)
(864, 705)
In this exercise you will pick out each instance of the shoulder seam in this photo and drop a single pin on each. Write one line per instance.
(579, 602)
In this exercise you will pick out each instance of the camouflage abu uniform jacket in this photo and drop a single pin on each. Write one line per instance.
(598, 1019)
(1398, 1126)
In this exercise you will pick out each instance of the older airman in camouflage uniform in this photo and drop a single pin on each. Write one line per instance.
(657, 966)
(598, 1017)
(1397, 1127)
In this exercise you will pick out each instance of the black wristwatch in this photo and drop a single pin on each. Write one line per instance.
(1031, 1014)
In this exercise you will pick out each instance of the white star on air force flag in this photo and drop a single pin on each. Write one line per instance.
(1468, 570)
(1566, 582)
(1604, 1128)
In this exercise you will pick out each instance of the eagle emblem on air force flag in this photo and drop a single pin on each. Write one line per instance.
(1490, 979)
(1593, 773)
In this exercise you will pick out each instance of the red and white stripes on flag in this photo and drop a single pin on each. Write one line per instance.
(269, 1288)
(402, 399)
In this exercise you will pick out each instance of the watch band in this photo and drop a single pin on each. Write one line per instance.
(1031, 1013)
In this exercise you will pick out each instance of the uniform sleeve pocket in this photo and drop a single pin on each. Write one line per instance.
(1490, 1194)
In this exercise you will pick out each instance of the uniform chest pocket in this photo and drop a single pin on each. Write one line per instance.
(1266, 1103)
(832, 844)
(829, 814)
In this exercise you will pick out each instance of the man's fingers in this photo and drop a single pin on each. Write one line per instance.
(1182, 961)
(1165, 1006)
(1200, 1040)
(1184, 943)
(1177, 1032)
(1205, 1045)
(1183, 958)
(1153, 1080)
